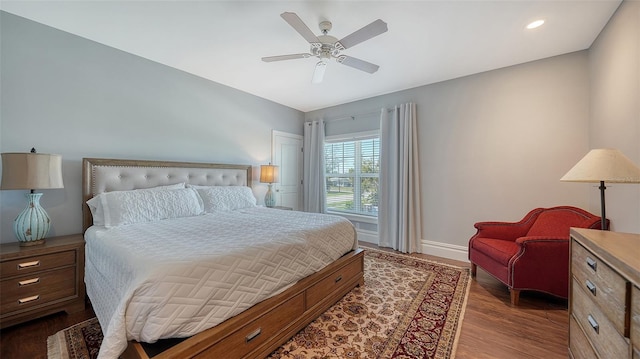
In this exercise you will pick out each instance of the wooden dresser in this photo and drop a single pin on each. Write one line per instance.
(42, 279)
(604, 296)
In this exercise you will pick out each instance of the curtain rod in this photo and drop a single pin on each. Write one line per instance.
(353, 117)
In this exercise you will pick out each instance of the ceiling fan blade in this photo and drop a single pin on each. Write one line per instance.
(318, 73)
(372, 30)
(358, 64)
(299, 26)
(285, 57)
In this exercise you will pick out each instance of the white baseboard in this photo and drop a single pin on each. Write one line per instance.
(445, 250)
(367, 236)
(439, 249)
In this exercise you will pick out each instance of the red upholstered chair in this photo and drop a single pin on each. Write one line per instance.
(532, 254)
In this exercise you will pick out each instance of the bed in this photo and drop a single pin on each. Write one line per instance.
(233, 280)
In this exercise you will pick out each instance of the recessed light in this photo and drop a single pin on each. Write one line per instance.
(535, 24)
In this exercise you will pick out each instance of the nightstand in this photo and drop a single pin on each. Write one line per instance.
(40, 280)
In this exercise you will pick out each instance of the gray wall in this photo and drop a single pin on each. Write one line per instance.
(614, 71)
(494, 145)
(67, 95)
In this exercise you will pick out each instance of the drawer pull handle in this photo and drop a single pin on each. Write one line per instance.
(26, 265)
(591, 287)
(28, 281)
(338, 278)
(591, 263)
(254, 334)
(28, 299)
(593, 324)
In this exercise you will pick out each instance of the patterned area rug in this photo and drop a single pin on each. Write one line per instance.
(408, 308)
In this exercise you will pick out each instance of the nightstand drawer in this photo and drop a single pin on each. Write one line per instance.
(605, 287)
(36, 289)
(598, 328)
(37, 263)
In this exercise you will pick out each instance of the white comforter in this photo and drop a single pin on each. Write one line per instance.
(178, 277)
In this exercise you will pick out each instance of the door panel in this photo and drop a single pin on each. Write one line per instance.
(287, 154)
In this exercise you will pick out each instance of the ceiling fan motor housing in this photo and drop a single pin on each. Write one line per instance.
(326, 48)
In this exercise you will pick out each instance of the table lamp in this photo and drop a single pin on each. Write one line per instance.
(603, 165)
(269, 174)
(31, 171)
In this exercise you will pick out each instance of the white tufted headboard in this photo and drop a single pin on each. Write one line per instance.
(105, 175)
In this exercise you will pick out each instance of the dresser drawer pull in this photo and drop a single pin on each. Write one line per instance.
(253, 335)
(26, 265)
(591, 287)
(28, 299)
(338, 278)
(591, 263)
(593, 324)
(28, 281)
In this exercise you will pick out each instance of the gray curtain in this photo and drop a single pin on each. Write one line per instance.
(399, 211)
(313, 177)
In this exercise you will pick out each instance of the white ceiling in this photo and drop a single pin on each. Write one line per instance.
(427, 41)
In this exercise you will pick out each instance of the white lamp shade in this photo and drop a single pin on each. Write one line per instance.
(605, 164)
(268, 173)
(31, 171)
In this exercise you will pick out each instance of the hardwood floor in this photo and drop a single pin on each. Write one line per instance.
(29, 340)
(493, 329)
(537, 328)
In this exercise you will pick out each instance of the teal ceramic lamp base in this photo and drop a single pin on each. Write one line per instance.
(269, 198)
(33, 223)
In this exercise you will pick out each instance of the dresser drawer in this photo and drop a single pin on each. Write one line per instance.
(37, 263)
(578, 342)
(598, 328)
(242, 342)
(36, 289)
(338, 278)
(605, 287)
(635, 319)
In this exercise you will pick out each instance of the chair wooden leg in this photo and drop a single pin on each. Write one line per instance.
(474, 270)
(515, 296)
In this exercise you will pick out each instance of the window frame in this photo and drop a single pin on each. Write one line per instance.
(357, 136)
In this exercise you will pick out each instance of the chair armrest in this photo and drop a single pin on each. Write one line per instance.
(542, 264)
(507, 230)
(501, 230)
(540, 251)
(540, 240)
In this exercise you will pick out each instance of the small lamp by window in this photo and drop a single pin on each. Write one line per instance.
(600, 165)
(21, 171)
(269, 174)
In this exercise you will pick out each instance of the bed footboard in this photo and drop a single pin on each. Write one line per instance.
(261, 329)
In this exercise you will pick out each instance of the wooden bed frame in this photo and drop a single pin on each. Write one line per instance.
(259, 330)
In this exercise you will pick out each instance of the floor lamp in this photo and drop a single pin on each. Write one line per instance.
(600, 166)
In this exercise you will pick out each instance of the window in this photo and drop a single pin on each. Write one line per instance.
(352, 169)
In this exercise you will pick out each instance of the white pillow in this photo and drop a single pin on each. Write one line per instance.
(95, 204)
(225, 198)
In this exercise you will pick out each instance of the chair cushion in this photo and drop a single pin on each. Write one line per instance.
(499, 249)
(556, 223)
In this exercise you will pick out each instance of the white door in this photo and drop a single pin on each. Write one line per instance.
(287, 153)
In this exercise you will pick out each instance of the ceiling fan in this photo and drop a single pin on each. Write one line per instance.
(325, 46)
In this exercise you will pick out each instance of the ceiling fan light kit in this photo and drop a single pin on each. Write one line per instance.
(326, 47)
